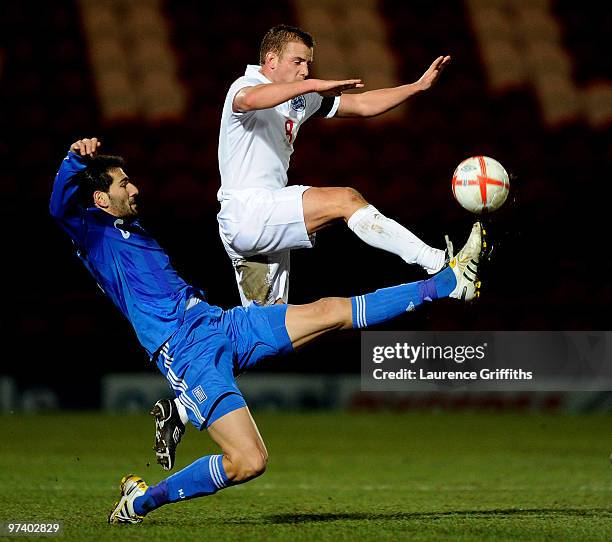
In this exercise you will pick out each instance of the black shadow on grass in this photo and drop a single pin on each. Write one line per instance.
(470, 514)
(312, 517)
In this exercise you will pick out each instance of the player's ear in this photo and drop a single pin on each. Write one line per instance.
(271, 59)
(101, 199)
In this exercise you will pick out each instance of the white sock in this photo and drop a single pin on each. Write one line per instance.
(182, 411)
(375, 229)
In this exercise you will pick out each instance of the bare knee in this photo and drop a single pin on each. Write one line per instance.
(349, 200)
(244, 466)
(326, 205)
(332, 312)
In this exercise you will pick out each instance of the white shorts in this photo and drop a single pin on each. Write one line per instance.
(259, 227)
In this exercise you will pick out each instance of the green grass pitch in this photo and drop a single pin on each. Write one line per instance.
(331, 476)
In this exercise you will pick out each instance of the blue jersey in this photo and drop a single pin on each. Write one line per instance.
(127, 263)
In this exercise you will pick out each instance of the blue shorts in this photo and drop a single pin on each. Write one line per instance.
(212, 347)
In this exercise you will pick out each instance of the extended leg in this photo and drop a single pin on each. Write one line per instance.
(323, 206)
(305, 323)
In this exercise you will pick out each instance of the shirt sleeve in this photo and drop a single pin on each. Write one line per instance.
(237, 86)
(64, 205)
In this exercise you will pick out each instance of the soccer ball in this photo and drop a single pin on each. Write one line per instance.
(480, 184)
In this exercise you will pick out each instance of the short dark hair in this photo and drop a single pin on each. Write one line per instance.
(278, 36)
(96, 176)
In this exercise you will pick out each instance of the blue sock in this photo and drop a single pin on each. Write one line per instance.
(388, 303)
(203, 477)
(444, 282)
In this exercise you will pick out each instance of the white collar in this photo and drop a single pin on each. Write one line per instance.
(253, 70)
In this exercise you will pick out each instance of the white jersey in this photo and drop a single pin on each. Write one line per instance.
(255, 146)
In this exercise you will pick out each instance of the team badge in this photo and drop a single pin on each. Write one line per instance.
(199, 394)
(298, 103)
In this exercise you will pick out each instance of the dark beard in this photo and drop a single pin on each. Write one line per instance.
(124, 211)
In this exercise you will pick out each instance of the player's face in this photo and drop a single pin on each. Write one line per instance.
(122, 195)
(293, 63)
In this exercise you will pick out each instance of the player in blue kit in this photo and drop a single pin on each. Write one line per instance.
(200, 348)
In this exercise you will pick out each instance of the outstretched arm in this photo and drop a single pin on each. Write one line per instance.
(270, 95)
(64, 206)
(376, 102)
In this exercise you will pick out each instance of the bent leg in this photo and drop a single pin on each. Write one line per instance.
(244, 452)
(244, 457)
(263, 279)
(324, 206)
(259, 229)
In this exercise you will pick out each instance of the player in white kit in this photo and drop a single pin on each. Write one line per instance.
(261, 218)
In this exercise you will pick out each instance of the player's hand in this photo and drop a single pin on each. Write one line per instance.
(335, 88)
(86, 147)
(433, 72)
